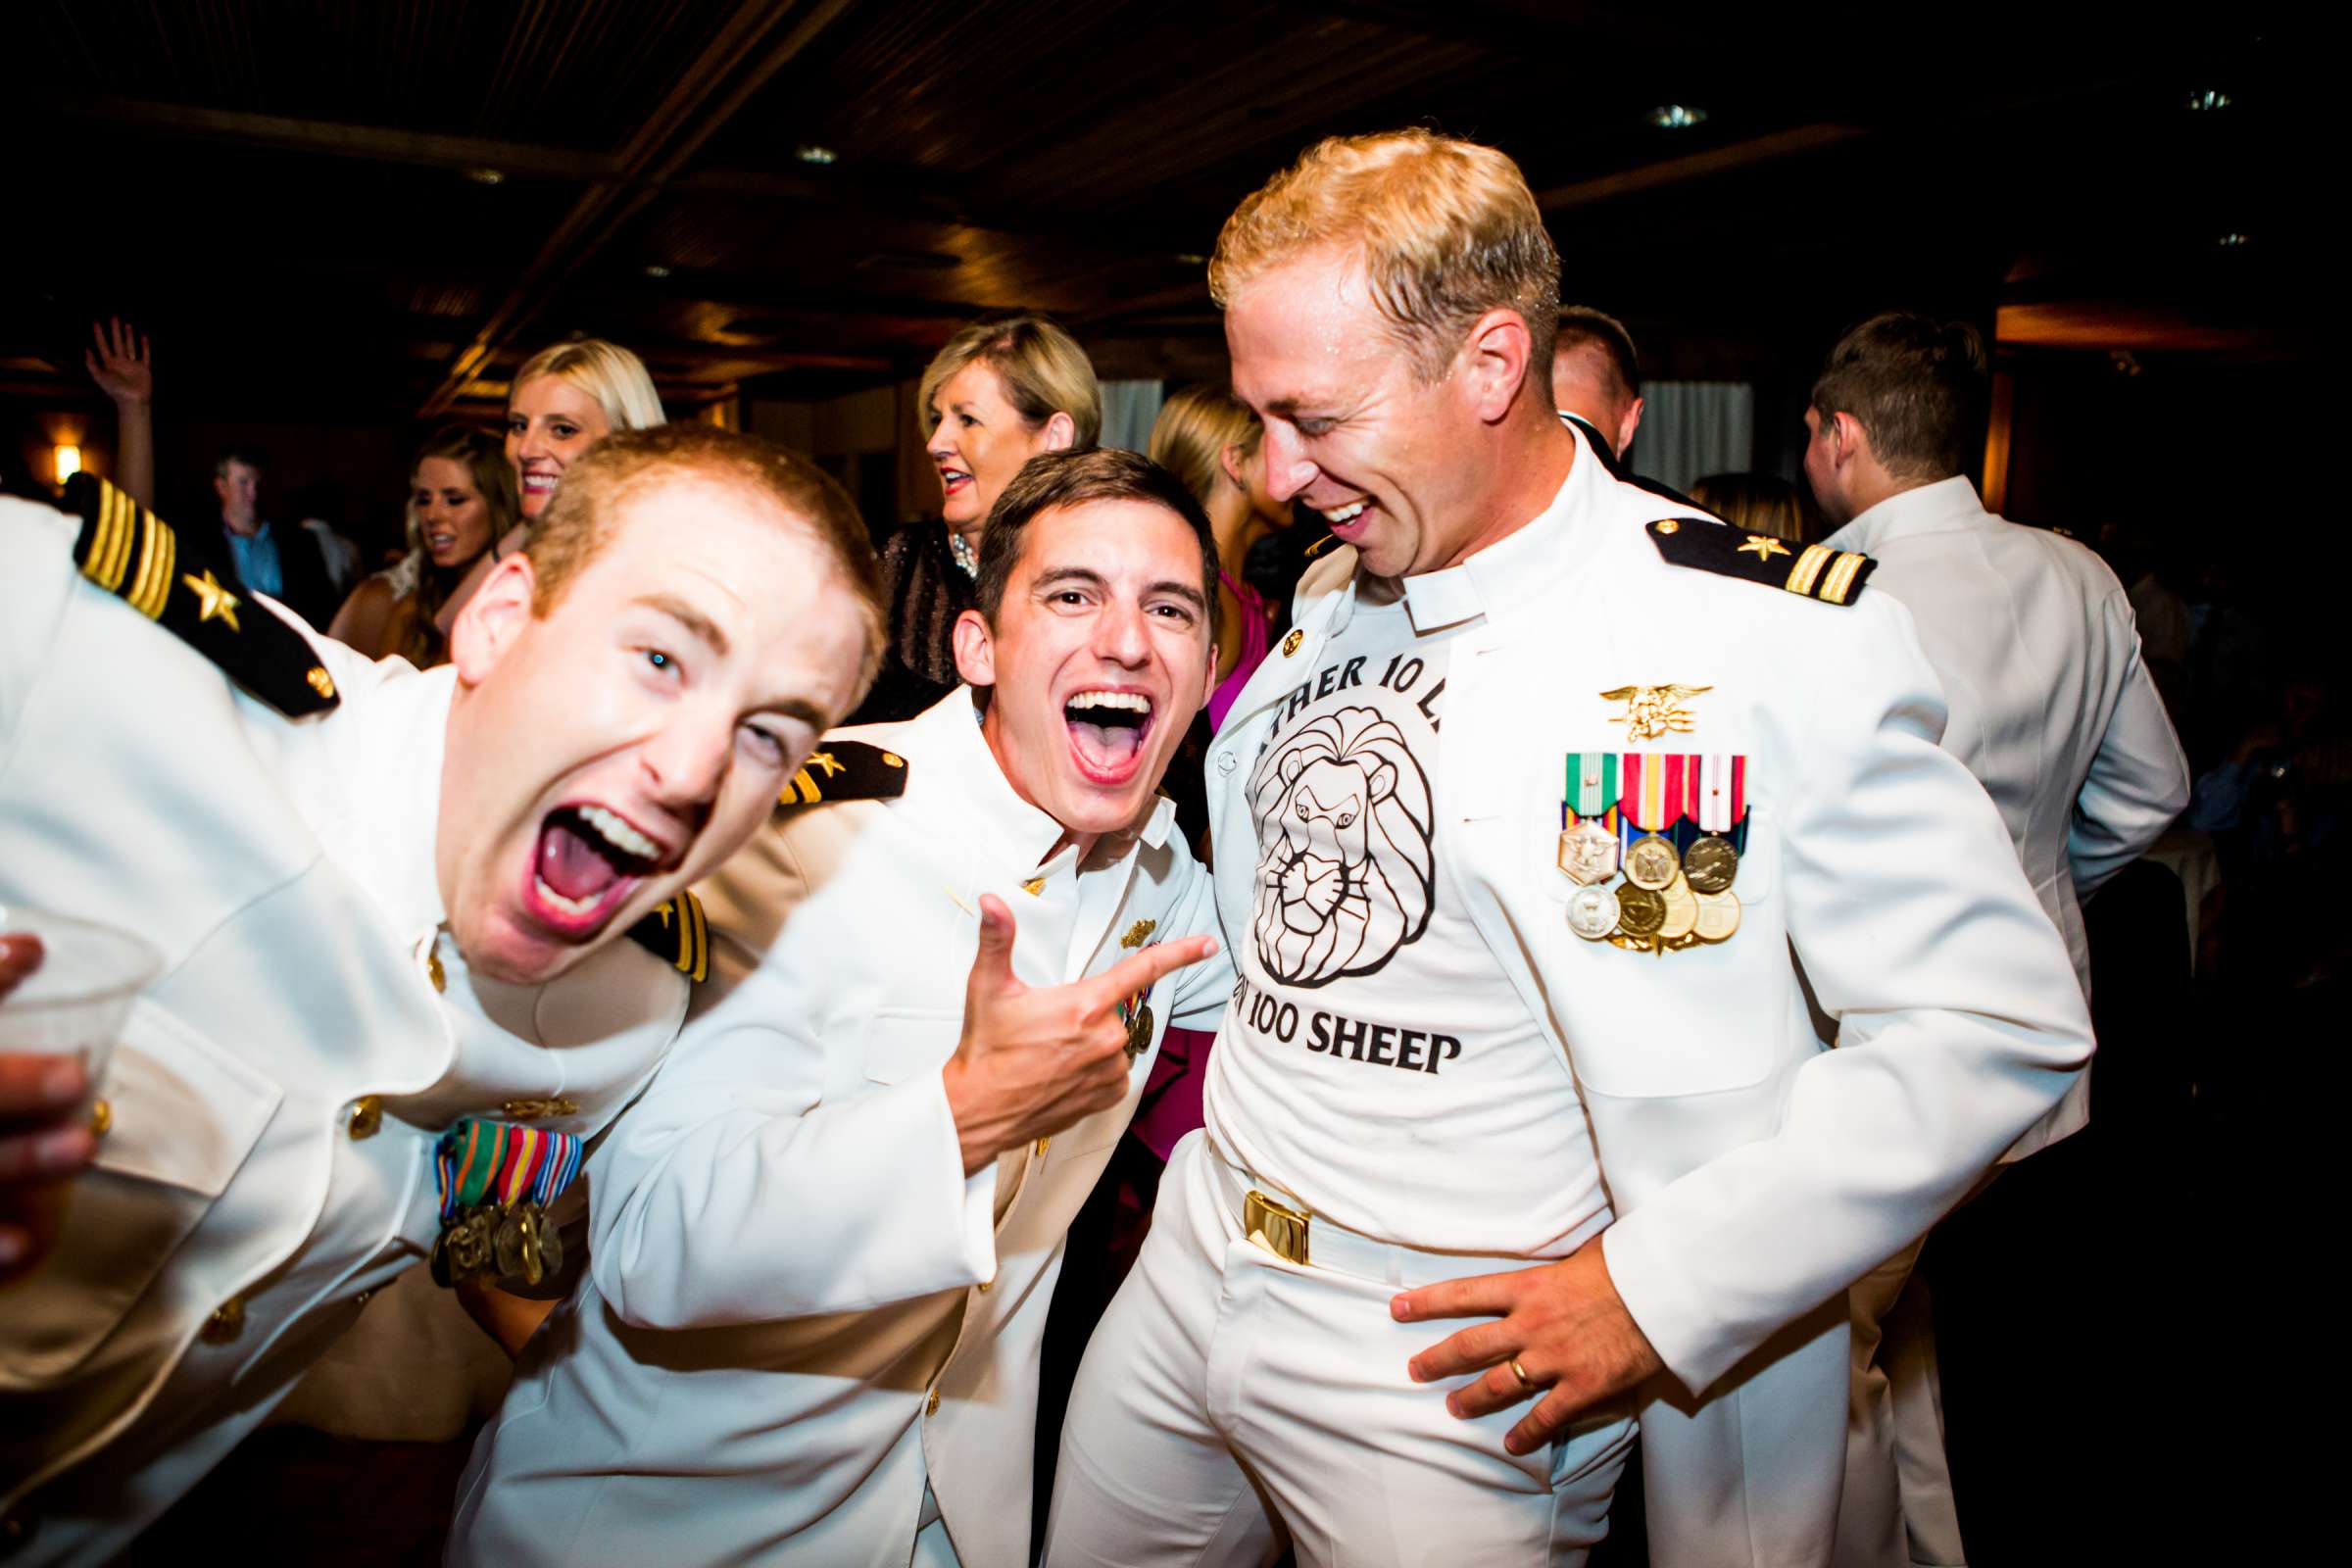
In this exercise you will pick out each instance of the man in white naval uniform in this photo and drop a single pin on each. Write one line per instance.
(1517, 1037)
(2053, 711)
(383, 900)
(825, 1241)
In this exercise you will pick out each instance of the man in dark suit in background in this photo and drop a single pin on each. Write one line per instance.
(284, 563)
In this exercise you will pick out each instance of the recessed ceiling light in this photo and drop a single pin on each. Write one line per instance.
(1191, 259)
(486, 176)
(1676, 116)
(2231, 240)
(656, 269)
(811, 153)
(2208, 98)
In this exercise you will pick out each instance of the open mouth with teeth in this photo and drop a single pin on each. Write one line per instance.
(952, 481)
(587, 862)
(1107, 732)
(1351, 520)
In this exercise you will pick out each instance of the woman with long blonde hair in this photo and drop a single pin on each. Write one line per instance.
(1210, 440)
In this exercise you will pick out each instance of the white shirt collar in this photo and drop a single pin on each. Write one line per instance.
(398, 791)
(1525, 563)
(1939, 508)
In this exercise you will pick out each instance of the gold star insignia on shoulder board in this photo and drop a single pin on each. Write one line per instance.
(212, 599)
(845, 770)
(1763, 547)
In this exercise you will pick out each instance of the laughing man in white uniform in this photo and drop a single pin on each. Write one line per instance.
(825, 1241)
(1515, 834)
(384, 903)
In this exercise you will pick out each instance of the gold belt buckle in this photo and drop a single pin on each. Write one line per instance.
(1280, 1229)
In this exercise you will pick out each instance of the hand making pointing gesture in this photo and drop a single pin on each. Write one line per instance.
(1033, 1062)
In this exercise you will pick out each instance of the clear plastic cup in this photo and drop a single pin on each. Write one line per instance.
(74, 1001)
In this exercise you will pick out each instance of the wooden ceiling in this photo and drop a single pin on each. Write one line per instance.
(360, 207)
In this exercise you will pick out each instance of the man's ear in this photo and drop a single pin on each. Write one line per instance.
(1062, 433)
(1627, 424)
(1492, 363)
(1851, 442)
(975, 647)
(493, 619)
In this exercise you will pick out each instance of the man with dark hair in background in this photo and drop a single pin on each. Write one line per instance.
(1597, 377)
(2052, 710)
(295, 577)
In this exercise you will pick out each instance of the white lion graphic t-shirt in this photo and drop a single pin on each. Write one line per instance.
(1376, 1062)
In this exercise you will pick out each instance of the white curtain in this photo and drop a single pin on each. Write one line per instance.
(1691, 429)
(1129, 410)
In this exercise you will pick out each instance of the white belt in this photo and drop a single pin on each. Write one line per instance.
(1264, 1215)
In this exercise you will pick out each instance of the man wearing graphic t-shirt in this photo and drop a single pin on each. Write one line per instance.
(1469, 1073)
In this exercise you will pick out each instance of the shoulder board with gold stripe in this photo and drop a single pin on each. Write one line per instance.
(1809, 571)
(677, 934)
(845, 770)
(132, 554)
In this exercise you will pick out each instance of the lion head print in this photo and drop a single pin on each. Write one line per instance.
(1345, 866)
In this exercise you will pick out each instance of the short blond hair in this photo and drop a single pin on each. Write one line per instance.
(1445, 229)
(1044, 370)
(1194, 428)
(577, 523)
(606, 372)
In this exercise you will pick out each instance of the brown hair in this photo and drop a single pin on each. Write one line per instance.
(1582, 325)
(412, 632)
(1054, 479)
(576, 525)
(1760, 503)
(1194, 428)
(1044, 370)
(1446, 230)
(1915, 384)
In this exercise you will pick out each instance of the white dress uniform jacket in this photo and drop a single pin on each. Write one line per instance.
(1756, 1173)
(798, 1308)
(2052, 709)
(276, 1095)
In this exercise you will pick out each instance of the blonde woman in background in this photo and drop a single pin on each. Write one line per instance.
(1002, 391)
(1760, 503)
(1207, 439)
(462, 498)
(562, 402)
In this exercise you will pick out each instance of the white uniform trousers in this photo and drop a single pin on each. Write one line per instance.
(1227, 1388)
(1896, 1510)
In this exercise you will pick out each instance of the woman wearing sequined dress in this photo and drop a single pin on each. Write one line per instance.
(1003, 390)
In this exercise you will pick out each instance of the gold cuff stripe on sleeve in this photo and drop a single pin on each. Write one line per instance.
(126, 525)
(95, 566)
(152, 588)
(1841, 581)
(702, 939)
(1807, 569)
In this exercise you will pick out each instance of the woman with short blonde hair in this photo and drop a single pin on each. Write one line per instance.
(997, 393)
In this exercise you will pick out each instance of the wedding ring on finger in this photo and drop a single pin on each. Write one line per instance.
(1527, 1384)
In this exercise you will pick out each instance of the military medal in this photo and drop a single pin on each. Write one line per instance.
(495, 1183)
(1717, 916)
(1640, 911)
(1592, 913)
(1710, 864)
(1135, 1012)
(1589, 852)
(1650, 862)
(1682, 910)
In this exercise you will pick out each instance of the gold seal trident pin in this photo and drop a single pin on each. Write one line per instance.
(1655, 710)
